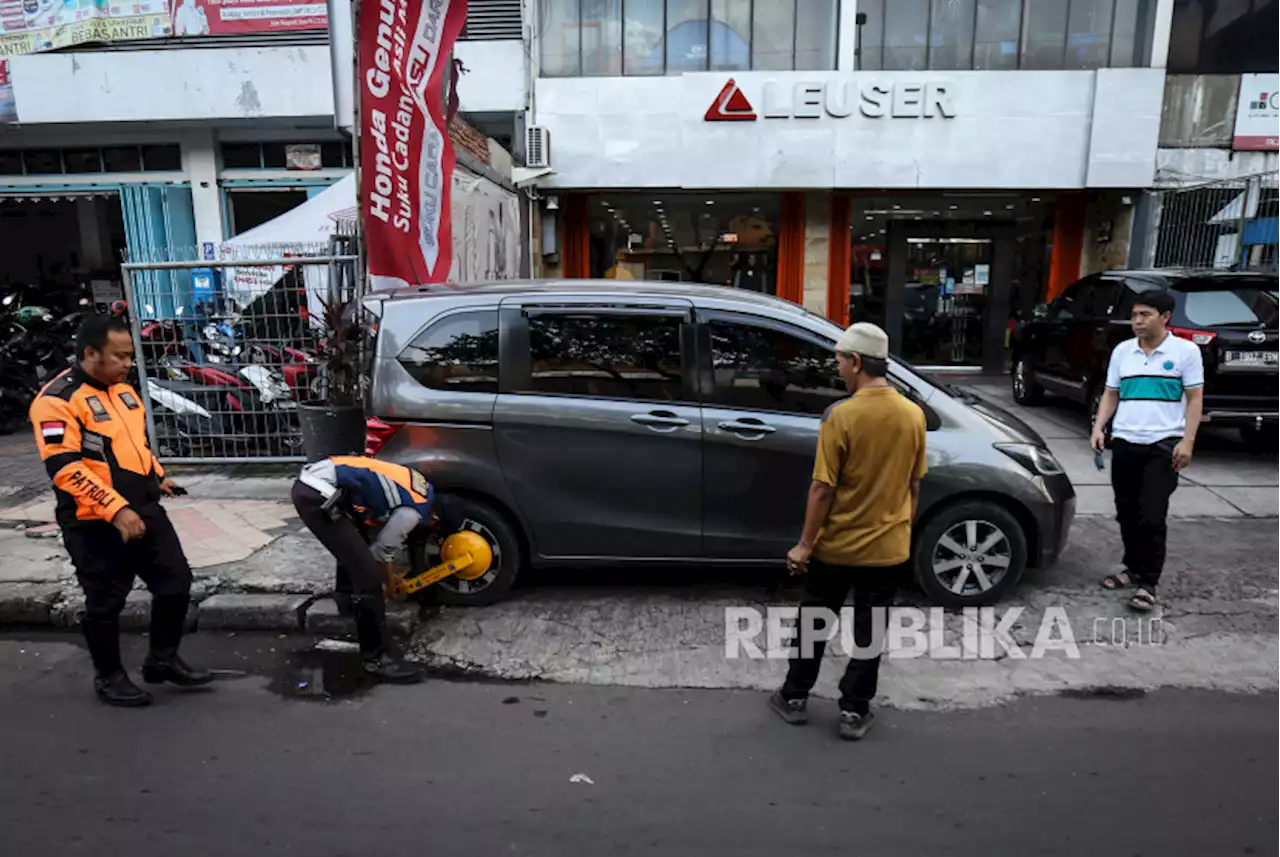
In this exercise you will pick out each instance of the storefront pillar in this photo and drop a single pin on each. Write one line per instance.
(838, 258)
(817, 251)
(577, 237)
(1068, 243)
(791, 229)
(200, 162)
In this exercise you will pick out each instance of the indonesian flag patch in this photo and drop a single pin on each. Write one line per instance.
(53, 432)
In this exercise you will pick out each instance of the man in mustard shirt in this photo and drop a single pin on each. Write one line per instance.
(857, 526)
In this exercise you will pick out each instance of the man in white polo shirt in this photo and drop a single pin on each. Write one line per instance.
(1155, 389)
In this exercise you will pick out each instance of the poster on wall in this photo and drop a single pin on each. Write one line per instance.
(238, 17)
(32, 26)
(1258, 114)
(8, 106)
(486, 230)
(406, 152)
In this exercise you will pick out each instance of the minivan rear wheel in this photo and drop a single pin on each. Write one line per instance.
(969, 554)
(495, 583)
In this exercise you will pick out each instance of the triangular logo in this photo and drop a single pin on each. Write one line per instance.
(731, 106)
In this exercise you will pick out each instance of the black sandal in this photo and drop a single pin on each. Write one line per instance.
(1113, 581)
(1143, 600)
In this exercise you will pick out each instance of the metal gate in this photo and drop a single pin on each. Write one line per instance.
(1230, 224)
(226, 350)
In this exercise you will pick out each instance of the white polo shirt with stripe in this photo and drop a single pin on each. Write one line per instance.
(1153, 388)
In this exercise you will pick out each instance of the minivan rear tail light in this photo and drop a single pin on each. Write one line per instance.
(1199, 337)
(376, 434)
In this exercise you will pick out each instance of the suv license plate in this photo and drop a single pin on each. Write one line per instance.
(1251, 358)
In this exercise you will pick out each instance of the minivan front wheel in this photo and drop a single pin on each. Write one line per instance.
(1025, 390)
(495, 583)
(969, 554)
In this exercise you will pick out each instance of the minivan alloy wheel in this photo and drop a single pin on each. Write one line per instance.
(971, 557)
(467, 587)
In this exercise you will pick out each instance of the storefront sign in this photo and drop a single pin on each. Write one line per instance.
(406, 152)
(237, 17)
(302, 156)
(8, 106)
(836, 99)
(32, 26)
(1258, 113)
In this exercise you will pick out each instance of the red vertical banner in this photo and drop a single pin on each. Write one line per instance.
(406, 155)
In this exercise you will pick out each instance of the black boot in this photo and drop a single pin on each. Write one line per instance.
(117, 689)
(168, 614)
(371, 627)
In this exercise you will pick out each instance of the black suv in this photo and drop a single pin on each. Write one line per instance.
(1232, 316)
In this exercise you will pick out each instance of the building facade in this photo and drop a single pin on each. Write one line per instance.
(158, 137)
(1214, 200)
(935, 166)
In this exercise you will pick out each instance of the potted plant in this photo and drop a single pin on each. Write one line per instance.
(334, 423)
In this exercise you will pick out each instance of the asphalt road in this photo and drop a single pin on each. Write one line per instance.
(265, 764)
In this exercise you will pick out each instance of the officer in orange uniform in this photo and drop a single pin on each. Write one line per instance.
(339, 499)
(91, 430)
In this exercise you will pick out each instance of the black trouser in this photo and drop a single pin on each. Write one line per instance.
(342, 538)
(827, 586)
(106, 566)
(1143, 478)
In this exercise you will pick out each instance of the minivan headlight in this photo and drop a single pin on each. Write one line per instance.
(1037, 459)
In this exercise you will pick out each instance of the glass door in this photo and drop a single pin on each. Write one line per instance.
(948, 281)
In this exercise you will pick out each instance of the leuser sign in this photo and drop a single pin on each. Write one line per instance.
(835, 99)
(1258, 114)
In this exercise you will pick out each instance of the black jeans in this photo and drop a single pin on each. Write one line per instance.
(1143, 478)
(828, 586)
(343, 539)
(106, 566)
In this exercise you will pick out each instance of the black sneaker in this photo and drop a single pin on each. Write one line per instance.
(117, 689)
(853, 726)
(393, 671)
(794, 711)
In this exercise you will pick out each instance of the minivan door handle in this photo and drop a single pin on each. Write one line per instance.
(747, 426)
(659, 419)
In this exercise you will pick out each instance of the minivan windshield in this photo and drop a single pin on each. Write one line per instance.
(1230, 306)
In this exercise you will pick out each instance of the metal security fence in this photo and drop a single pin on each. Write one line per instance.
(226, 349)
(1229, 224)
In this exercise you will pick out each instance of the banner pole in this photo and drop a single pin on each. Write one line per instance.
(362, 275)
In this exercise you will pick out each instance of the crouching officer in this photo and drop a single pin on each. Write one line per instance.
(91, 430)
(341, 498)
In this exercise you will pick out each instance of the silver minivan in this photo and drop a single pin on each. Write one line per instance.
(607, 423)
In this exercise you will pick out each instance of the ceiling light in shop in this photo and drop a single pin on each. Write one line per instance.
(896, 207)
(954, 207)
(870, 217)
(711, 202)
(918, 217)
(1009, 207)
(1035, 199)
(987, 213)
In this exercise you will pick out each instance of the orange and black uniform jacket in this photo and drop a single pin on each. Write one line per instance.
(93, 439)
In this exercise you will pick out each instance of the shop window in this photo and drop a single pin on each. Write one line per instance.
(1211, 37)
(724, 239)
(241, 156)
(606, 356)
(333, 155)
(121, 159)
(161, 158)
(250, 208)
(42, 161)
(757, 368)
(10, 163)
(82, 160)
(647, 37)
(459, 353)
(913, 35)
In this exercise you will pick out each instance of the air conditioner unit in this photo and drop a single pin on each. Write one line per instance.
(538, 148)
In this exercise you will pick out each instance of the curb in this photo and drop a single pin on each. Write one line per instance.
(58, 606)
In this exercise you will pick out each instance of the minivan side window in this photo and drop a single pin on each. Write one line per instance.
(758, 368)
(606, 356)
(457, 353)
